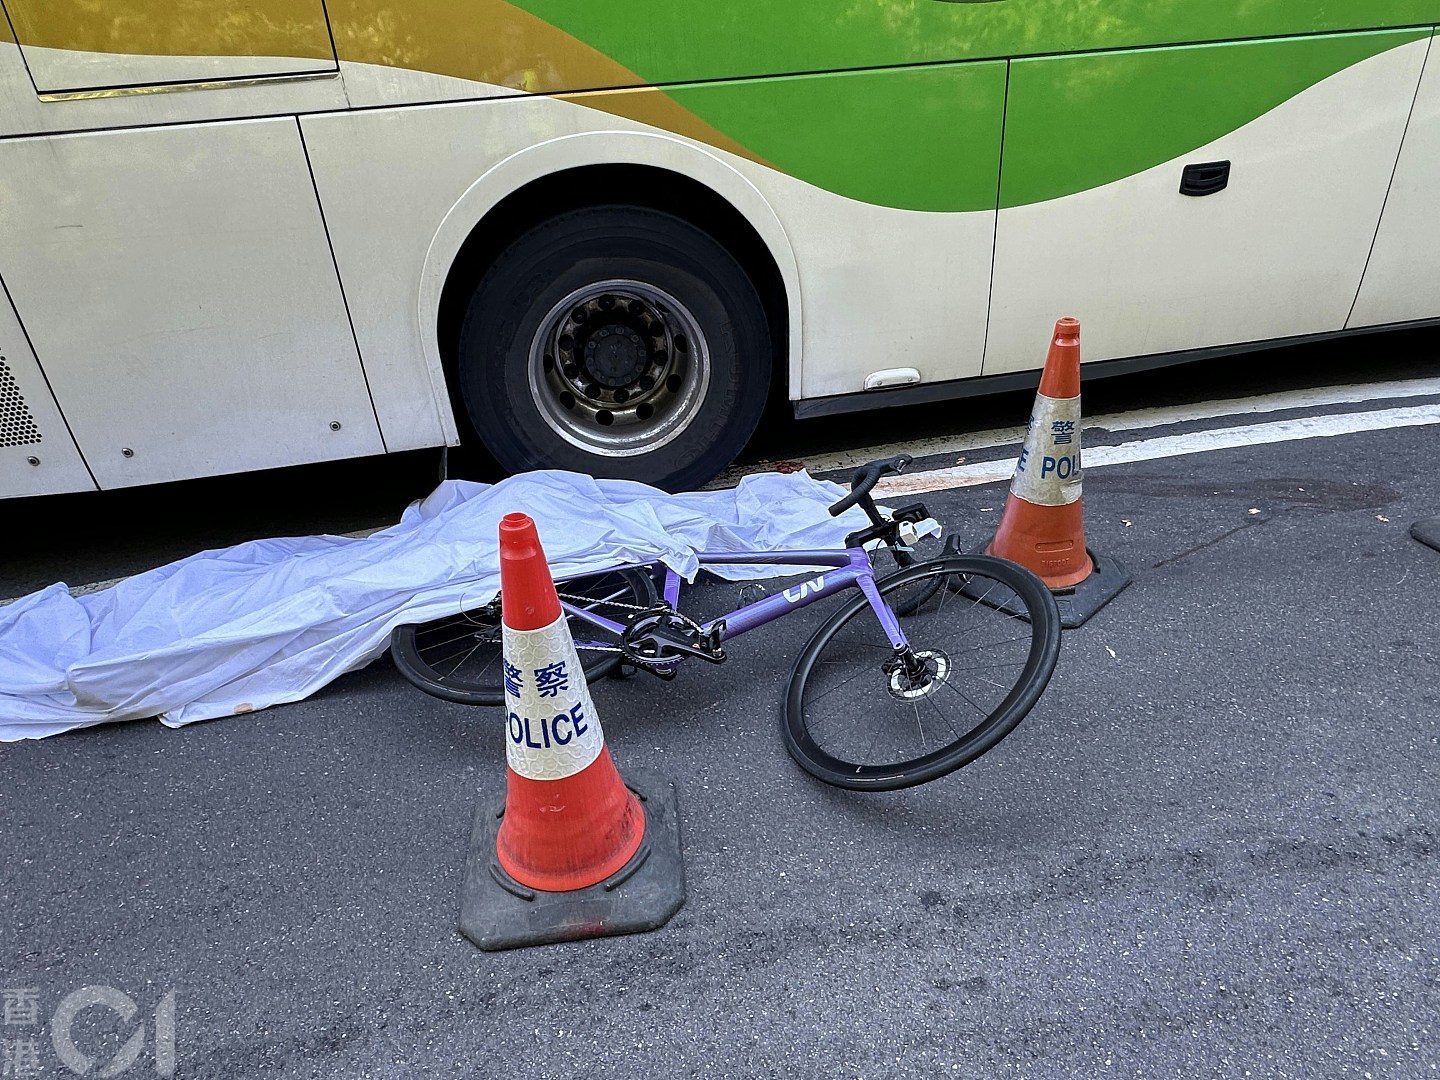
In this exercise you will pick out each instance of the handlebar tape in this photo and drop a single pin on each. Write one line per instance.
(866, 477)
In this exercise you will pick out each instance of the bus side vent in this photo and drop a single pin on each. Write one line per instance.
(17, 424)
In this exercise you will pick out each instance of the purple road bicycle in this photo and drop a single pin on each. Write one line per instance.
(924, 669)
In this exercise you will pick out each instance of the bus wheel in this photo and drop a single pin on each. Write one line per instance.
(617, 341)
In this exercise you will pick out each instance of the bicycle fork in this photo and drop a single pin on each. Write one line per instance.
(904, 659)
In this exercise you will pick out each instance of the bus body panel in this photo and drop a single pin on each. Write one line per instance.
(37, 454)
(1279, 252)
(890, 210)
(399, 216)
(180, 295)
(1402, 279)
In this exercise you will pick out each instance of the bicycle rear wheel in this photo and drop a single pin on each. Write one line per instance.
(982, 652)
(458, 657)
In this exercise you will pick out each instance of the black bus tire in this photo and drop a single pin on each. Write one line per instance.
(617, 341)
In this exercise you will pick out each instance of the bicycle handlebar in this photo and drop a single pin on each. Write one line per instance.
(866, 478)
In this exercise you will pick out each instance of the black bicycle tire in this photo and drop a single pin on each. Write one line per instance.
(1044, 618)
(405, 651)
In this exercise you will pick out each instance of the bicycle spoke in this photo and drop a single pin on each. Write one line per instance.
(462, 660)
(466, 633)
(837, 686)
(955, 689)
(943, 717)
(464, 647)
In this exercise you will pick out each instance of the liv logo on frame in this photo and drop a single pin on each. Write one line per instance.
(79, 1014)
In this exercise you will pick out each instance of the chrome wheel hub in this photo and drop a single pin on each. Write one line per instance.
(937, 672)
(619, 367)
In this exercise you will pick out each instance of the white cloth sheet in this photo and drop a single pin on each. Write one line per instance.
(231, 631)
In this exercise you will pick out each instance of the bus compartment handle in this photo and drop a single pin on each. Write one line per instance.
(1204, 178)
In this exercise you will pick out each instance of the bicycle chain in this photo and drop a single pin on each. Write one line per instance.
(662, 668)
(582, 600)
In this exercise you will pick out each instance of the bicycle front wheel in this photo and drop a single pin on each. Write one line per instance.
(457, 658)
(981, 653)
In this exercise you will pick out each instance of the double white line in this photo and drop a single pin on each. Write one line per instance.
(1163, 446)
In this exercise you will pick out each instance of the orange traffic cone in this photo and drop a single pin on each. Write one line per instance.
(1042, 526)
(569, 820)
(576, 853)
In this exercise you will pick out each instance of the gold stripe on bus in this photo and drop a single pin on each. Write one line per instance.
(658, 109)
(491, 41)
(483, 41)
(176, 27)
(486, 41)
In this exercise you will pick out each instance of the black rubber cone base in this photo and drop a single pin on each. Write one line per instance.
(497, 912)
(1077, 602)
(1427, 531)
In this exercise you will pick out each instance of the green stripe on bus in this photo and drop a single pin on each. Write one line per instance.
(1077, 122)
(914, 138)
(690, 40)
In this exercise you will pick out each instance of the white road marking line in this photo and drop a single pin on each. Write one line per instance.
(1290, 399)
(1317, 397)
(1164, 446)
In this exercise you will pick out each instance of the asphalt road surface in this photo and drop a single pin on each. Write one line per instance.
(1210, 850)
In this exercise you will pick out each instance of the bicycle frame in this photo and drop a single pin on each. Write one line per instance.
(851, 570)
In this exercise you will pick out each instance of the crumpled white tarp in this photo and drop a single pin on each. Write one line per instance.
(230, 631)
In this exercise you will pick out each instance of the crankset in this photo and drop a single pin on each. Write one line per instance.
(658, 639)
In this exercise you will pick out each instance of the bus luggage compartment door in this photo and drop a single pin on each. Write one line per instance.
(179, 292)
(1094, 221)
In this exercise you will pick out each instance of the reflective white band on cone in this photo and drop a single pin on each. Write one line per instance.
(551, 728)
(1048, 472)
